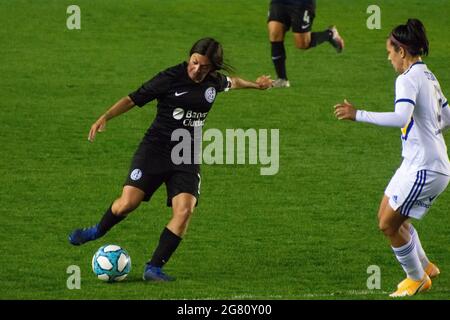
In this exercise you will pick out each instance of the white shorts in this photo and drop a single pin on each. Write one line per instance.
(413, 193)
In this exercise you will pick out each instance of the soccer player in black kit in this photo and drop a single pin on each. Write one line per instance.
(185, 94)
(298, 14)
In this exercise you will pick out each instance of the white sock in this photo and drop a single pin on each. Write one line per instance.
(420, 252)
(408, 258)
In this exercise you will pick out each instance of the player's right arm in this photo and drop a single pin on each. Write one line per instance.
(263, 82)
(399, 118)
(121, 106)
(406, 93)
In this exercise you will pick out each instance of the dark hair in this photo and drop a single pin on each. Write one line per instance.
(213, 50)
(411, 36)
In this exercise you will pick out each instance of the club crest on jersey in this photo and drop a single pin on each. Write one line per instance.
(178, 113)
(136, 174)
(210, 94)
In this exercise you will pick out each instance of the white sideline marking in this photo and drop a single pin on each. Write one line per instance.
(314, 295)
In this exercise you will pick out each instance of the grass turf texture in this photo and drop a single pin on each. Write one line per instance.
(309, 232)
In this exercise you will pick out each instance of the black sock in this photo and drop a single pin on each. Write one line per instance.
(279, 59)
(168, 243)
(108, 221)
(320, 37)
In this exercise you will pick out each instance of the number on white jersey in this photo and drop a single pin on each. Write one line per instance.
(440, 100)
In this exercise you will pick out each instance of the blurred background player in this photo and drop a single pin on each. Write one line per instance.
(422, 111)
(185, 94)
(298, 14)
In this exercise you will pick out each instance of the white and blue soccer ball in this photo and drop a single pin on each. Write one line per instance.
(111, 263)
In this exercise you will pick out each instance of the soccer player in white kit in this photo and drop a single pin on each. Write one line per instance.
(422, 113)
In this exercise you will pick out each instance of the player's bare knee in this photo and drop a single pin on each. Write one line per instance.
(276, 37)
(387, 229)
(406, 226)
(183, 213)
(276, 31)
(302, 45)
(123, 206)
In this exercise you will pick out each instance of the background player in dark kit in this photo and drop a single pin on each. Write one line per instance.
(185, 94)
(298, 14)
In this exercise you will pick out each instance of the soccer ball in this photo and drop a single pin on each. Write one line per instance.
(111, 263)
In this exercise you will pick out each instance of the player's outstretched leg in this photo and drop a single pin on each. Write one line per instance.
(129, 200)
(80, 236)
(109, 219)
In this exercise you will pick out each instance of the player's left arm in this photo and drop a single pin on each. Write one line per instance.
(263, 82)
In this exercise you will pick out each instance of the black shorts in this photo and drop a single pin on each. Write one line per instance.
(299, 17)
(150, 169)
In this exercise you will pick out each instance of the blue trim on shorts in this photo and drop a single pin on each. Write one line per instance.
(410, 193)
(415, 192)
(420, 191)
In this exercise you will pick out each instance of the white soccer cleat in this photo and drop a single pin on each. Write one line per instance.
(336, 40)
(281, 83)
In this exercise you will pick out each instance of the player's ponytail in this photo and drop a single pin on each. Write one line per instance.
(412, 37)
(213, 50)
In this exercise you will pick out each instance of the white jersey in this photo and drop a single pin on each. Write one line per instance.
(422, 112)
(423, 144)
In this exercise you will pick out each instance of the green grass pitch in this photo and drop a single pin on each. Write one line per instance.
(309, 232)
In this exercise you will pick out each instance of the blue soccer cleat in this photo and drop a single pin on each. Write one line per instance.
(152, 273)
(80, 236)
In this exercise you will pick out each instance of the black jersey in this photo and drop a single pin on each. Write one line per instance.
(182, 104)
(296, 2)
